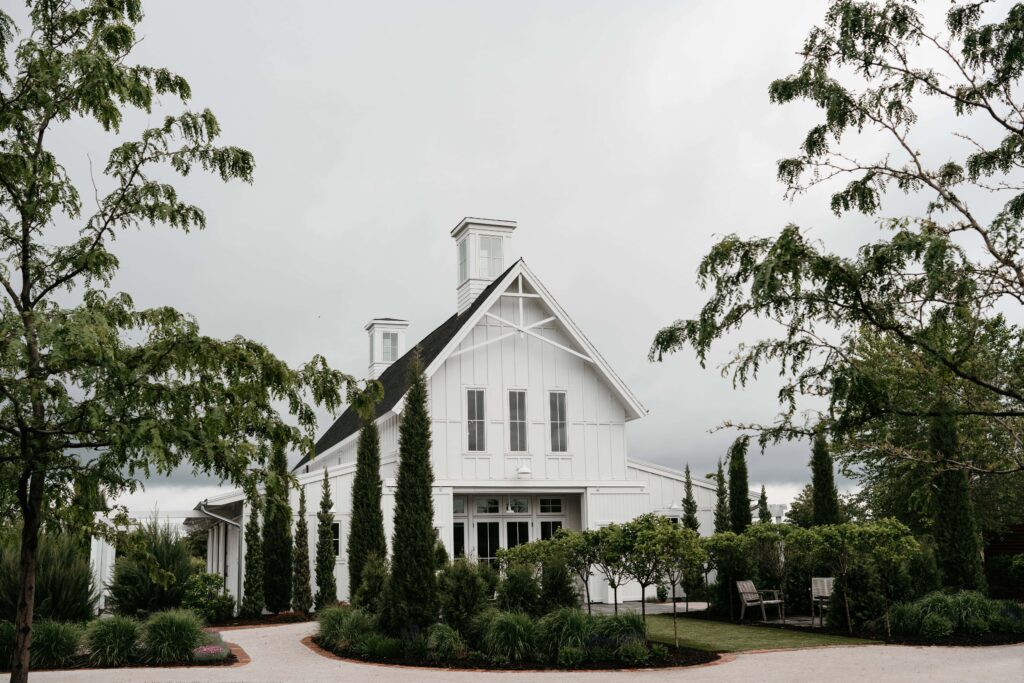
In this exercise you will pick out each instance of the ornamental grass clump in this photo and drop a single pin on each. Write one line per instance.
(65, 590)
(170, 637)
(444, 643)
(331, 620)
(621, 628)
(941, 616)
(376, 646)
(113, 641)
(55, 644)
(568, 627)
(512, 636)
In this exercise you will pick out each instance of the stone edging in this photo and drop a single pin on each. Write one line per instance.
(327, 654)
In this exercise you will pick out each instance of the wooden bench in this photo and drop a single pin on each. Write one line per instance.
(751, 597)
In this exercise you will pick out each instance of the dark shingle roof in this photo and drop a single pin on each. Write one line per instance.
(395, 378)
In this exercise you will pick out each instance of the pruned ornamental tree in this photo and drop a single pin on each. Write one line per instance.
(412, 597)
(683, 559)
(252, 587)
(612, 546)
(92, 389)
(722, 520)
(579, 551)
(302, 594)
(366, 530)
(825, 500)
(645, 559)
(277, 536)
(936, 278)
(690, 519)
(326, 557)
(739, 487)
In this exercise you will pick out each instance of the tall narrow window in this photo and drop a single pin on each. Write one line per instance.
(390, 344)
(517, 421)
(491, 260)
(475, 420)
(559, 429)
(463, 263)
(336, 538)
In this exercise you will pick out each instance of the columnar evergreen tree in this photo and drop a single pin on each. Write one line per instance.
(958, 544)
(739, 488)
(326, 584)
(722, 520)
(825, 497)
(277, 536)
(366, 531)
(690, 519)
(764, 515)
(252, 587)
(302, 595)
(412, 601)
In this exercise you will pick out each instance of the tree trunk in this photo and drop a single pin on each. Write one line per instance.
(675, 627)
(586, 587)
(643, 603)
(31, 511)
(615, 598)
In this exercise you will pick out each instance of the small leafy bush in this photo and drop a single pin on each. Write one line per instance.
(662, 592)
(557, 588)
(568, 627)
(378, 647)
(113, 641)
(170, 637)
(152, 573)
(444, 643)
(511, 636)
(659, 653)
(633, 653)
(55, 644)
(7, 634)
(205, 595)
(491, 579)
(570, 657)
(331, 620)
(461, 592)
(519, 591)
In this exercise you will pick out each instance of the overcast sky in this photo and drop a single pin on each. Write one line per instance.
(624, 137)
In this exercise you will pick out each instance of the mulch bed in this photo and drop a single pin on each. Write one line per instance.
(677, 657)
(238, 657)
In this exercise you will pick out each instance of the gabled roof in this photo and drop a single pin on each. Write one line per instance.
(442, 342)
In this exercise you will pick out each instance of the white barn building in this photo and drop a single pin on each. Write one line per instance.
(528, 426)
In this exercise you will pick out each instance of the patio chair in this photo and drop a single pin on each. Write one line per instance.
(751, 597)
(821, 593)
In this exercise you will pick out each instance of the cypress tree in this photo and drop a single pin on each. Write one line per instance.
(412, 604)
(764, 515)
(722, 522)
(302, 595)
(277, 536)
(958, 545)
(252, 588)
(825, 497)
(690, 520)
(326, 585)
(739, 488)
(366, 531)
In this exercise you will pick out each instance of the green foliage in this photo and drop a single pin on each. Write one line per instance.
(444, 643)
(644, 551)
(519, 591)
(567, 627)
(326, 584)
(764, 515)
(277, 536)
(372, 592)
(64, 581)
(723, 520)
(739, 487)
(479, 625)
(825, 501)
(412, 604)
(6, 644)
(728, 556)
(206, 595)
(491, 578)
(212, 650)
(378, 647)
(578, 550)
(169, 637)
(556, 586)
(252, 589)
(570, 657)
(302, 595)
(940, 616)
(366, 530)
(511, 636)
(113, 641)
(633, 653)
(153, 572)
(611, 547)
(690, 519)
(331, 621)
(461, 593)
(622, 628)
(55, 644)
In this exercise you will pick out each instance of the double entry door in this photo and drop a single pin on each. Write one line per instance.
(508, 533)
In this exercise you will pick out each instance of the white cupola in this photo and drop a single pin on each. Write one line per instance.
(481, 247)
(387, 343)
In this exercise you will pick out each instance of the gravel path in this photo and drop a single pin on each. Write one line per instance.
(278, 655)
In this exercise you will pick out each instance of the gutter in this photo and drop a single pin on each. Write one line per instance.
(238, 566)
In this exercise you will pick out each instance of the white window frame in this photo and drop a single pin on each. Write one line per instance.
(540, 505)
(490, 266)
(481, 420)
(463, 258)
(476, 505)
(461, 499)
(551, 422)
(510, 511)
(541, 521)
(389, 353)
(336, 539)
(524, 420)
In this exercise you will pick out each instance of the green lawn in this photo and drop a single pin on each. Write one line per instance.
(718, 636)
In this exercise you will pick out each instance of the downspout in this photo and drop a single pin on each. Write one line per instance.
(238, 565)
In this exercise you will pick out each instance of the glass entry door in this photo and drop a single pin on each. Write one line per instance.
(516, 533)
(488, 541)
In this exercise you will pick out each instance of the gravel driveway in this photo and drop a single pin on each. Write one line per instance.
(278, 655)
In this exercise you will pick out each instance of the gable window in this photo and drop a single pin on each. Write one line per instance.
(463, 262)
(336, 538)
(559, 429)
(491, 260)
(517, 421)
(390, 343)
(550, 506)
(475, 420)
